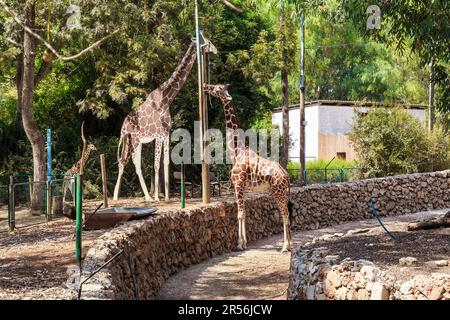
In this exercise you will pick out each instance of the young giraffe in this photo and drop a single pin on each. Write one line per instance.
(78, 167)
(152, 121)
(250, 171)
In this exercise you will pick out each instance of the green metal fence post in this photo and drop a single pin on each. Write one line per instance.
(79, 209)
(182, 191)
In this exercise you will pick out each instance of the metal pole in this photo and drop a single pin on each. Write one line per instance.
(49, 154)
(79, 212)
(49, 168)
(105, 189)
(205, 169)
(11, 209)
(205, 166)
(183, 191)
(302, 105)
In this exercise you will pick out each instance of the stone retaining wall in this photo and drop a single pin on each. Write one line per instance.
(158, 247)
(317, 275)
(318, 206)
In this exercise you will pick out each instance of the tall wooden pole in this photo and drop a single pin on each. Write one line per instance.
(302, 104)
(202, 111)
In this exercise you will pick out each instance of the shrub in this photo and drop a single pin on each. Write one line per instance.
(392, 141)
(438, 151)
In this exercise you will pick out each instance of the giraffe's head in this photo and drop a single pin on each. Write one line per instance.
(91, 147)
(218, 90)
(206, 43)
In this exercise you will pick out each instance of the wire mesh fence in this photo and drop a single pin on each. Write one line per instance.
(4, 199)
(25, 202)
(325, 175)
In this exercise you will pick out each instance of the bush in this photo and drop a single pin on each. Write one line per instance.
(391, 141)
(438, 155)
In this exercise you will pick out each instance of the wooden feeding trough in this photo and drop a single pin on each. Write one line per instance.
(109, 217)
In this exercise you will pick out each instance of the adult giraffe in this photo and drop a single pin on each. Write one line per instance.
(152, 121)
(250, 171)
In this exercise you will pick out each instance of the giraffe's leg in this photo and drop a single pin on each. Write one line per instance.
(239, 193)
(123, 160)
(64, 193)
(119, 181)
(166, 170)
(137, 160)
(282, 205)
(158, 147)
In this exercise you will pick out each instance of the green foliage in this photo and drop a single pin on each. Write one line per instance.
(416, 25)
(321, 171)
(438, 156)
(340, 63)
(321, 164)
(391, 141)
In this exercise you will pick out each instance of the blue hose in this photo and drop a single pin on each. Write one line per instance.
(375, 214)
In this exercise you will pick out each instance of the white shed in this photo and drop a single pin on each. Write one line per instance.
(328, 123)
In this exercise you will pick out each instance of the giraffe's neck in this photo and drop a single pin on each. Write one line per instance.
(84, 158)
(231, 127)
(179, 76)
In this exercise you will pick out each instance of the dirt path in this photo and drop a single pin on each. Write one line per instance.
(34, 259)
(260, 272)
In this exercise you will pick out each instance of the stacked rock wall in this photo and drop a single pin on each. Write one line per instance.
(155, 248)
(318, 206)
(317, 275)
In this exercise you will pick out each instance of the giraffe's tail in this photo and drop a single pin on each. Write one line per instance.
(290, 209)
(290, 204)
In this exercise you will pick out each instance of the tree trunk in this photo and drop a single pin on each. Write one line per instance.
(285, 111)
(431, 113)
(29, 124)
(19, 82)
(284, 90)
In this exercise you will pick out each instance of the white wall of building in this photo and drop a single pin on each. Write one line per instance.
(330, 119)
(311, 131)
(338, 119)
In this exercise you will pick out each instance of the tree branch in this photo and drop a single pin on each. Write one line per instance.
(14, 42)
(45, 68)
(232, 6)
(49, 46)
